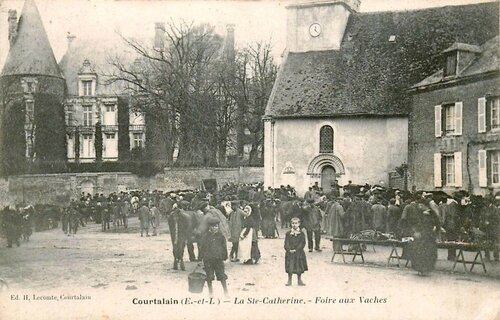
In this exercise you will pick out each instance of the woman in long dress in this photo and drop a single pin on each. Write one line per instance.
(249, 246)
(424, 226)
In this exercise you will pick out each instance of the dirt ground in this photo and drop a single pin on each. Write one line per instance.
(96, 275)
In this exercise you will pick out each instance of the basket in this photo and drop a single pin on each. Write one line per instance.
(196, 281)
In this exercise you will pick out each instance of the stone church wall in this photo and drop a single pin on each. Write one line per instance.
(369, 148)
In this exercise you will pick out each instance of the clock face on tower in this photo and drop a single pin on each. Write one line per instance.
(315, 29)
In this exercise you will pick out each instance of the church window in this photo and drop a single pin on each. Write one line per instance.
(326, 139)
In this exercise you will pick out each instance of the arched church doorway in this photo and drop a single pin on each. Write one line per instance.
(327, 178)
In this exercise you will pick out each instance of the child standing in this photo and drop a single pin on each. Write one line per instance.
(214, 251)
(295, 257)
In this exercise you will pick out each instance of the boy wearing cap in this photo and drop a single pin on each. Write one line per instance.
(214, 250)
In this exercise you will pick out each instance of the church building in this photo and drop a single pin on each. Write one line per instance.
(340, 106)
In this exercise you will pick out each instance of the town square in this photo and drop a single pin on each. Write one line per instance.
(300, 159)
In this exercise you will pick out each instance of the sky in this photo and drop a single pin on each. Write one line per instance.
(101, 19)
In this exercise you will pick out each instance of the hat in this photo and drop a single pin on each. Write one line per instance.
(212, 221)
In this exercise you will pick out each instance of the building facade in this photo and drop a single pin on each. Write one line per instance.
(340, 106)
(455, 122)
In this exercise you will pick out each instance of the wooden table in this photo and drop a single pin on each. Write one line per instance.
(358, 250)
(470, 247)
(394, 255)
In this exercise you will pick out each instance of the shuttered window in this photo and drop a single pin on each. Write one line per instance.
(437, 121)
(449, 170)
(495, 167)
(483, 176)
(494, 103)
(437, 170)
(481, 115)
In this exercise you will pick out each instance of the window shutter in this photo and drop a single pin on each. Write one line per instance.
(437, 121)
(458, 169)
(458, 118)
(481, 115)
(483, 177)
(437, 170)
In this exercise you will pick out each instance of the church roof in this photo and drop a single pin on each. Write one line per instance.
(381, 56)
(31, 53)
(485, 62)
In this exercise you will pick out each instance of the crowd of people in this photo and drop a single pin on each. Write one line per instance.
(244, 213)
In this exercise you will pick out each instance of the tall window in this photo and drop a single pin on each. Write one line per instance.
(449, 170)
(326, 139)
(110, 115)
(137, 140)
(451, 64)
(87, 87)
(495, 166)
(87, 116)
(495, 112)
(88, 146)
(449, 118)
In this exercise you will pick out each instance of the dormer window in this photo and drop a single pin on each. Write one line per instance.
(87, 87)
(87, 80)
(451, 64)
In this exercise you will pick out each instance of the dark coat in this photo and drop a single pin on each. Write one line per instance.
(295, 262)
(214, 246)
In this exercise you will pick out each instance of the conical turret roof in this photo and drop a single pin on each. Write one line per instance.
(31, 53)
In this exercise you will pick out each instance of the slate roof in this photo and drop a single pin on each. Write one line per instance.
(369, 75)
(487, 61)
(31, 53)
(100, 53)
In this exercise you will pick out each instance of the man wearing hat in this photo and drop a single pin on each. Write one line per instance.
(214, 253)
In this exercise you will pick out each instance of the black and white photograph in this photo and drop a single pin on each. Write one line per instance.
(294, 159)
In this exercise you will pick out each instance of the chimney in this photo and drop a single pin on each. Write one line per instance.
(70, 39)
(12, 26)
(159, 35)
(229, 43)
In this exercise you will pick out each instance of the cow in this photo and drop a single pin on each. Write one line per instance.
(181, 224)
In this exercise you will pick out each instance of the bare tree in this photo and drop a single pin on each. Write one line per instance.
(255, 75)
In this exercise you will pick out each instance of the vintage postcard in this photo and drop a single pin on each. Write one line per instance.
(299, 159)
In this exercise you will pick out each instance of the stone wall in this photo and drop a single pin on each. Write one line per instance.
(60, 188)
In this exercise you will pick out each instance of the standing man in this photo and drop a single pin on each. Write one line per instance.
(155, 218)
(143, 213)
(335, 214)
(312, 225)
(379, 217)
(179, 226)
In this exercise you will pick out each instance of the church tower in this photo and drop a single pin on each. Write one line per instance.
(318, 25)
(32, 89)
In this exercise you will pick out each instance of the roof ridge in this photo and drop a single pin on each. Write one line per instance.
(425, 9)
